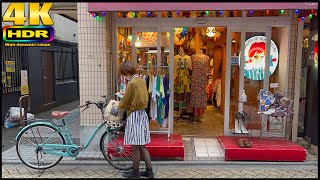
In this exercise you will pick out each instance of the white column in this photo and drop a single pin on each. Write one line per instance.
(227, 84)
(241, 61)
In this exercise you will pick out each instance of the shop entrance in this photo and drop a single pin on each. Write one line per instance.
(199, 60)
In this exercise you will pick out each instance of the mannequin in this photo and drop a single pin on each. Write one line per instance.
(200, 67)
(182, 82)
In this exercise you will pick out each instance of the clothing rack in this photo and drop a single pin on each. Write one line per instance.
(150, 72)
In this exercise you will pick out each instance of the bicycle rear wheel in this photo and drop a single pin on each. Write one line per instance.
(114, 151)
(30, 153)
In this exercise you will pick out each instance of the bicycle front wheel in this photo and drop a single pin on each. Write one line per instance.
(114, 151)
(29, 151)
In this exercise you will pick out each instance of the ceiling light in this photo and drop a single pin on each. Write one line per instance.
(211, 31)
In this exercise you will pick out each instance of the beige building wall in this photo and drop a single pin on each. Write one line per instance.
(293, 53)
(94, 68)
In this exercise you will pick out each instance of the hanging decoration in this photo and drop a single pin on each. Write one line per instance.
(235, 13)
(305, 14)
(267, 12)
(221, 13)
(184, 32)
(251, 12)
(281, 11)
(178, 40)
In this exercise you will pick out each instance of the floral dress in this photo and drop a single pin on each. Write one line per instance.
(182, 80)
(200, 64)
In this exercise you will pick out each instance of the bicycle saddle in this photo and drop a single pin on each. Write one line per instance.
(59, 114)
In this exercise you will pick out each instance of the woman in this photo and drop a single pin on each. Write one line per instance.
(137, 132)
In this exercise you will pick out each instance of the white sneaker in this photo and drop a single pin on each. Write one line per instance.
(243, 128)
(237, 127)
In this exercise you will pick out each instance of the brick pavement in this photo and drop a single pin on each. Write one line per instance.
(161, 171)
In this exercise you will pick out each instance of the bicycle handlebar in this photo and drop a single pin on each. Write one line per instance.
(99, 104)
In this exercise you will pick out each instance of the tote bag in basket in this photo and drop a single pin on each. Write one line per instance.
(108, 116)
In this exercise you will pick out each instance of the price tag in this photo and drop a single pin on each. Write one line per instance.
(274, 85)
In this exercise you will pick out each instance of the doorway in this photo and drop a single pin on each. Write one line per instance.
(199, 60)
(47, 77)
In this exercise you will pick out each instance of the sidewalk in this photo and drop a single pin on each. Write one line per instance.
(192, 155)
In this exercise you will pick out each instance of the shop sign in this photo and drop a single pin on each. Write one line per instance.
(234, 60)
(10, 66)
(254, 57)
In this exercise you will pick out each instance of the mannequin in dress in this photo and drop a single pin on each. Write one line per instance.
(182, 82)
(200, 66)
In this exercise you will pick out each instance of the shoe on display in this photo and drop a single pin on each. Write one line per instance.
(148, 173)
(242, 127)
(247, 143)
(131, 174)
(237, 127)
(241, 143)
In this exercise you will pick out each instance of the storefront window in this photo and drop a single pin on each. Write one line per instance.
(124, 49)
(165, 43)
(234, 78)
(279, 63)
(146, 47)
(140, 14)
(253, 73)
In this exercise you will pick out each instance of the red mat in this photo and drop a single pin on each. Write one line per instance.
(160, 147)
(266, 149)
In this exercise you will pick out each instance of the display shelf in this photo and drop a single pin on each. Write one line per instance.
(286, 126)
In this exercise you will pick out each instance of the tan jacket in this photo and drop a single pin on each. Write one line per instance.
(136, 96)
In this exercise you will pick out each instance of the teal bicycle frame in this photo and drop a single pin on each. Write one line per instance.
(69, 149)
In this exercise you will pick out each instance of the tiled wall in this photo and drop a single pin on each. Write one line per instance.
(293, 53)
(94, 61)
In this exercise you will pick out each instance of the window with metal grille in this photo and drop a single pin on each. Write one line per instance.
(14, 59)
(65, 65)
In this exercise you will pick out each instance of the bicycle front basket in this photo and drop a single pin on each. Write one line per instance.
(108, 115)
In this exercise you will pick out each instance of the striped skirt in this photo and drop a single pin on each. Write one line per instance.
(137, 129)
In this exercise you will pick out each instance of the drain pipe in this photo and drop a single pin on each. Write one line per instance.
(111, 39)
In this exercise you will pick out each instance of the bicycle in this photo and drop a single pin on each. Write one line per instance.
(55, 142)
